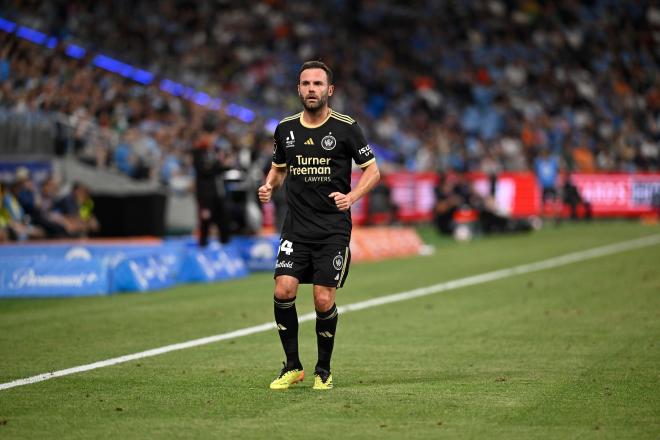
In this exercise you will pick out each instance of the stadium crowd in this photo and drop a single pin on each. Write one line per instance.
(476, 85)
(473, 86)
(108, 120)
(45, 210)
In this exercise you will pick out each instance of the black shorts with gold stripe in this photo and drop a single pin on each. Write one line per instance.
(314, 263)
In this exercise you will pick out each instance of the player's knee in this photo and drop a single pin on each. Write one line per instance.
(284, 290)
(284, 293)
(323, 300)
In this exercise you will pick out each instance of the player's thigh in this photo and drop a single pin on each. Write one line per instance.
(331, 264)
(294, 260)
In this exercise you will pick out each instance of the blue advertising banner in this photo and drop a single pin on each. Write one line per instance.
(74, 269)
(214, 263)
(142, 273)
(259, 253)
(110, 255)
(29, 277)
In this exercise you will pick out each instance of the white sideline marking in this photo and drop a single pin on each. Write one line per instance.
(415, 293)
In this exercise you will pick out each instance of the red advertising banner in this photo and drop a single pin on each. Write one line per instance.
(519, 195)
(516, 194)
(619, 194)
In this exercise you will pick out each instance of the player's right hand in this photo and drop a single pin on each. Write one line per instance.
(265, 191)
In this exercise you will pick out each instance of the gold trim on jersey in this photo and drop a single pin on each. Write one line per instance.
(306, 125)
(278, 165)
(341, 117)
(367, 163)
(292, 117)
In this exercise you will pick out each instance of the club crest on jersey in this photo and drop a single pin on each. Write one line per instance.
(328, 142)
(338, 262)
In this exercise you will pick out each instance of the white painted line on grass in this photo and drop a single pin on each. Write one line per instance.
(403, 296)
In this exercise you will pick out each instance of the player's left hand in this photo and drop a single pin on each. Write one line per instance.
(343, 201)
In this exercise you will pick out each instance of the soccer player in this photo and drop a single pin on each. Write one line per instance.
(314, 150)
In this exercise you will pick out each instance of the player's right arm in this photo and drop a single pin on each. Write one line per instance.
(274, 180)
(277, 172)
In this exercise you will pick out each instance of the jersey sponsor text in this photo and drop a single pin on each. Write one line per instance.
(314, 166)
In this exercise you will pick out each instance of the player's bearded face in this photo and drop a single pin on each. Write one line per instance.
(314, 100)
(314, 90)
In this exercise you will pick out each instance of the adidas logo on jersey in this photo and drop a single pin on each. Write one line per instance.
(309, 142)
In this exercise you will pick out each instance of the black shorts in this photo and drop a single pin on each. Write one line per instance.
(314, 263)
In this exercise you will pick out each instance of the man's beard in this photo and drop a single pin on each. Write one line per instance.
(314, 107)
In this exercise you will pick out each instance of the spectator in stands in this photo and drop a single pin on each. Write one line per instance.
(32, 202)
(26, 195)
(4, 217)
(124, 159)
(60, 225)
(583, 159)
(18, 222)
(78, 209)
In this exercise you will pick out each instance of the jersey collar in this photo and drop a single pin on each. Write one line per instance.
(306, 125)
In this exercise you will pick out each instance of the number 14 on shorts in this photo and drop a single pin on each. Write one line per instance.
(286, 247)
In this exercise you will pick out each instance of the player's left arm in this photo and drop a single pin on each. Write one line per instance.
(363, 155)
(369, 178)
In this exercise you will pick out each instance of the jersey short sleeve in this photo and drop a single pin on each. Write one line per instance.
(360, 149)
(279, 157)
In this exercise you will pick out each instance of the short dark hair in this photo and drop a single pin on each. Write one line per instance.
(316, 65)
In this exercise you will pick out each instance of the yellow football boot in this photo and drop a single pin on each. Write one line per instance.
(322, 380)
(287, 378)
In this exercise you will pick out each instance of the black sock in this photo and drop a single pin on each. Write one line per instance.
(326, 325)
(286, 319)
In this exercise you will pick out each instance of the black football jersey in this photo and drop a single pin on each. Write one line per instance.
(318, 161)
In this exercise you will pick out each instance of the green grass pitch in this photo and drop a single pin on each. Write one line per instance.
(566, 353)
